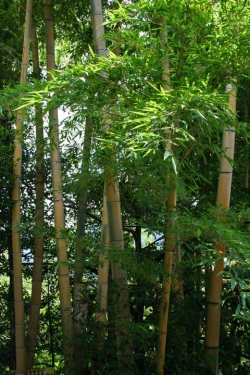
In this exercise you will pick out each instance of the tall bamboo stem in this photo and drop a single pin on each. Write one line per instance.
(102, 289)
(83, 196)
(16, 211)
(116, 240)
(170, 241)
(64, 283)
(39, 222)
(111, 187)
(80, 290)
(215, 277)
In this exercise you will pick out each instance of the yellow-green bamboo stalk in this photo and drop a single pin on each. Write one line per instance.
(103, 268)
(16, 212)
(102, 289)
(170, 241)
(64, 283)
(116, 240)
(103, 271)
(124, 347)
(214, 285)
(39, 222)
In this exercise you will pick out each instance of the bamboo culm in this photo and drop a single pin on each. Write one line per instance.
(16, 211)
(80, 289)
(170, 238)
(64, 283)
(39, 221)
(214, 284)
(111, 187)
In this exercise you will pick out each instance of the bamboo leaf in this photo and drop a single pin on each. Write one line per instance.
(198, 232)
(243, 299)
(174, 166)
(167, 153)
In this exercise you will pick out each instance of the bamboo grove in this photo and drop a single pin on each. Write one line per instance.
(125, 210)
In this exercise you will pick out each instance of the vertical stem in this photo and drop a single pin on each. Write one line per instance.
(83, 195)
(102, 289)
(64, 283)
(124, 345)
(16, 211)
(39, 222)
(166, 284)
(170, 242)
(111, 187)
(80, 290)
(215, 278)
(11, 309)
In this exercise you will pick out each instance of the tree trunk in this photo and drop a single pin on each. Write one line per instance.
(215, 277)
(16, 211)
(64, 283)
(39, 222)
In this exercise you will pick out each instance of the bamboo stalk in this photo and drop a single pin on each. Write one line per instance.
(16, 211)
(64, 283)
(170, 241)
(103, 271)
(83, 196)
(102, 290)
(170, 244)
(124, 344)
(39, 222)
(80, 290)
(111, 187)
(215, 277)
